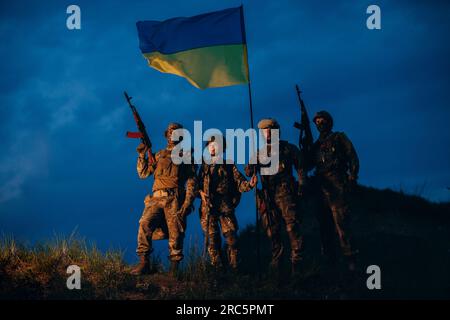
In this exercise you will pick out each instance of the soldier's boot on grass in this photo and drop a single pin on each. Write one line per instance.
(144, 267)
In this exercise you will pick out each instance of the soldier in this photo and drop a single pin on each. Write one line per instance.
(336, 172)
(220, 188)
(280, 194)
(167, 208)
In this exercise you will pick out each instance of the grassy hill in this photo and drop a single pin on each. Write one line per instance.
(407, 236)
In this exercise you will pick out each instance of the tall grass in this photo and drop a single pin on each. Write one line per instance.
(39, 271)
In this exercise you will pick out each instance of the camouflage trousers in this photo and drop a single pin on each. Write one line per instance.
(333, 216)
(285, 210)
(214, 219)
(159, 211)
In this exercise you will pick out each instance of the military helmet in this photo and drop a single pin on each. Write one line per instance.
(172, 126)
(212, 138)
(268, 123)
(324, 114)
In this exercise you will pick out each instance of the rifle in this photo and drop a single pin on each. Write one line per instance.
(142, 133)
(268, 203)
(264, 204)
(305, 140)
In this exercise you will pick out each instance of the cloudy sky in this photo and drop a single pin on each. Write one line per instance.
(66, 164)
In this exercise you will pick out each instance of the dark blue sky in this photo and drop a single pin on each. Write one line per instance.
(65, 161)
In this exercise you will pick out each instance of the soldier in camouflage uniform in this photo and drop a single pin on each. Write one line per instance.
(280, 194)
(174, 191)
(336, 172)
(220, 188)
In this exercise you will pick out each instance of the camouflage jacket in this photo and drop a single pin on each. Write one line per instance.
(221, 180)
(289, 157)
(168, 175)
(334, 154)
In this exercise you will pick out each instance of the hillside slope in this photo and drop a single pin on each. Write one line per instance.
(408, 237)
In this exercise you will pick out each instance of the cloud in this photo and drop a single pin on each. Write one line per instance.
(26, 158)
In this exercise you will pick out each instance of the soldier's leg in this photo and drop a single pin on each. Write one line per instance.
(229, 226)
(210, 229)
(274, 233)
(288, 209)
(326, 225)
(340, 210)
(176, 226)
(151, 213)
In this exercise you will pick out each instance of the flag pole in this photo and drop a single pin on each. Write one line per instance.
(244, 37)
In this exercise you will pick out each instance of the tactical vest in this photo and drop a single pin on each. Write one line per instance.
(167, 174)
(329, 155)
(221, 182)
(285, 164)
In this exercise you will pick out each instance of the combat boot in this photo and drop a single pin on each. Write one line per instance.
(143, 267)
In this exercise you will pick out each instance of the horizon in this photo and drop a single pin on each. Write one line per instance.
(66, 161)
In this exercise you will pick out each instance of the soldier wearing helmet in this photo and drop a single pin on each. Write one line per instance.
(336, 172)
(220, 188)
(277, 201)
(166, 209)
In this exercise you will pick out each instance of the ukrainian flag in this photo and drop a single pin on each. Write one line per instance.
(209, 50)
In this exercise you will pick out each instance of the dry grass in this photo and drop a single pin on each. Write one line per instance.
(394, 230)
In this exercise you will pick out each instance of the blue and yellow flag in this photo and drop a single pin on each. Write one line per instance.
(209, 50)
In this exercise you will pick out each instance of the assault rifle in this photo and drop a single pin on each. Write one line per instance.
(305, 140)
(142, 133)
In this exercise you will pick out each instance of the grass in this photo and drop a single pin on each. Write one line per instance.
(406, 236)
(39, 272)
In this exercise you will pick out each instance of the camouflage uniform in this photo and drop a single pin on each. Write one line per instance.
(222, 182)
(282, 190)
(173, 189)
(336, 170)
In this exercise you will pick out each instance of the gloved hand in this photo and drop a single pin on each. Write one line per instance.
(141, 149)
(254, 181)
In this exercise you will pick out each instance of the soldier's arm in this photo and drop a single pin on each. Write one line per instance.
(144, 169)
(241, 183)
(200, 178)
(191, 187)
(191, 183)
(251, 168)
(352, 156)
